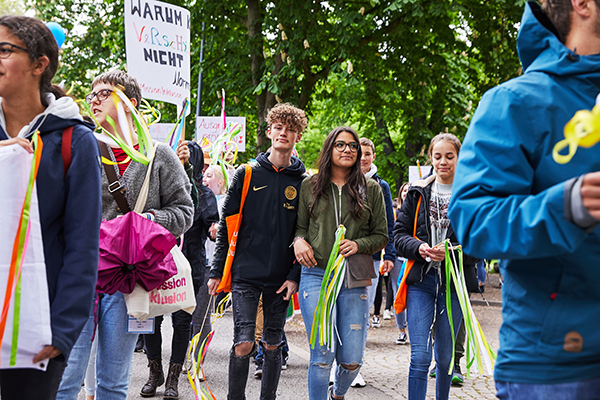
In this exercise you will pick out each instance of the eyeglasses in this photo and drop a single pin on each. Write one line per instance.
(101, 95)
(341, 146)
(6, 49)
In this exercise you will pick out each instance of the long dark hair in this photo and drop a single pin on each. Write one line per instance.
(355, 181)
(39, 41)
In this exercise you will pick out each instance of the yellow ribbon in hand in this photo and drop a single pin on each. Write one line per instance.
(582, 130)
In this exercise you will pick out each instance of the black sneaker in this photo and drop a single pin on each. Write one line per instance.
(457, 376)
(258, 372)
(402, 338)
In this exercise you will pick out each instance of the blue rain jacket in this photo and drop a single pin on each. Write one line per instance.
(508, 202)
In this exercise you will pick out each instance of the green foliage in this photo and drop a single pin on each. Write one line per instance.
(399, 71)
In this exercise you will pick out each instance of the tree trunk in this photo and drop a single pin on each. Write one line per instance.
(255, 42)
(388, 148)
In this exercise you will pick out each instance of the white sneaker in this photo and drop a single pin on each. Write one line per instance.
(358, 381)
(387, 314)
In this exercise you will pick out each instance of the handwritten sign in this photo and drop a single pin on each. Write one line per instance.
(413, 172)
(160, 131)
(157, 40)
(209, 128)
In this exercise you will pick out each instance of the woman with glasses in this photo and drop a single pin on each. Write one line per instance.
(68, 192)
(338, 195)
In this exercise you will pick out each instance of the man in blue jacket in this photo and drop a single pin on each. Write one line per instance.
(512, 201)
(264, 260)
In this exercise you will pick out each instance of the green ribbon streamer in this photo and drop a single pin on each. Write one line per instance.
(322, 316)
(472, 328)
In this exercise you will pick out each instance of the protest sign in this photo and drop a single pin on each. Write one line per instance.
(160, 131)
(209, 128)
(413, 172)
(157, 41)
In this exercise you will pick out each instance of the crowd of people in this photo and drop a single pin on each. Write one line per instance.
(500, 195)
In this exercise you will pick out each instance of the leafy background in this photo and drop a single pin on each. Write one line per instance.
(397, 71)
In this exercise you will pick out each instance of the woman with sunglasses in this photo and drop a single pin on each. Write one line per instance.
(338, 195)
(68, 189)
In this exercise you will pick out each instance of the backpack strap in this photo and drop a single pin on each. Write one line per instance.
(65, 150)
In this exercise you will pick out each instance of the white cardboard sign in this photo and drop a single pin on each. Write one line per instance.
(157, 40)
(209, 128)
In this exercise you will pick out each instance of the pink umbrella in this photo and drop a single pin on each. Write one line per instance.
(134, 250)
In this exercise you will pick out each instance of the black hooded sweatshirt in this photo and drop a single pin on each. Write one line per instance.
(204, 216)
(263, 254)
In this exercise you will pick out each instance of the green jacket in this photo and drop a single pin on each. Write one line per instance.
(370, 233)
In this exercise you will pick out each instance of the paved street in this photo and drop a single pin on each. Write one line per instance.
(385, 365)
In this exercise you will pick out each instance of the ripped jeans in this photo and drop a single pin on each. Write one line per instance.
(245, 303)
(352, 323)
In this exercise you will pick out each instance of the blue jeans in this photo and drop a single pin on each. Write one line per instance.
(426, 301)
(245, 303)
(394, 274)
(115, 351)
(583, 390)
(481, 272)
(352, 324)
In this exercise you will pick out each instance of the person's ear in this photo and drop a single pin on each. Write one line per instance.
(582, 7)
(373, 155)
(133, 102)
(40, 65)
(298, 137)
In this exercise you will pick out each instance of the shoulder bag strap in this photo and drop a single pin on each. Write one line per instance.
(416, 218)
(246, 187)
(114, 186)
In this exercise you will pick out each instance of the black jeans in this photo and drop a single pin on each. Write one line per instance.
(181, 337)
(32, 384)
(245, 303)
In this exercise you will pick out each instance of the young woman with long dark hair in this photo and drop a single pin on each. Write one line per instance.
(428, 200)
(338, 195)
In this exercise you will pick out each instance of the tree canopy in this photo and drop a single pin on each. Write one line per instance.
(398, 71)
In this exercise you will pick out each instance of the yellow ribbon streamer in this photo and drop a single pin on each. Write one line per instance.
(582, 130)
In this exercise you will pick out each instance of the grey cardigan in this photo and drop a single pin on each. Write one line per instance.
(168, 194)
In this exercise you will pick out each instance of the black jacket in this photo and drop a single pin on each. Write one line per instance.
(204, 216)
(407, 246)
(263, 255)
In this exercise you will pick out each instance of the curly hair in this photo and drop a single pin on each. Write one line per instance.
(39, 41)
(287, 114)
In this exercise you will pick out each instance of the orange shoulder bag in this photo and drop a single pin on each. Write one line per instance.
(400, 300)
(233, 227)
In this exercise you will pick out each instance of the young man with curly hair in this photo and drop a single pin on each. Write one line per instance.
(264, 261)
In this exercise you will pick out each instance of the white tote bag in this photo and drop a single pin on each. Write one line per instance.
(177, 293)
(34, 331)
